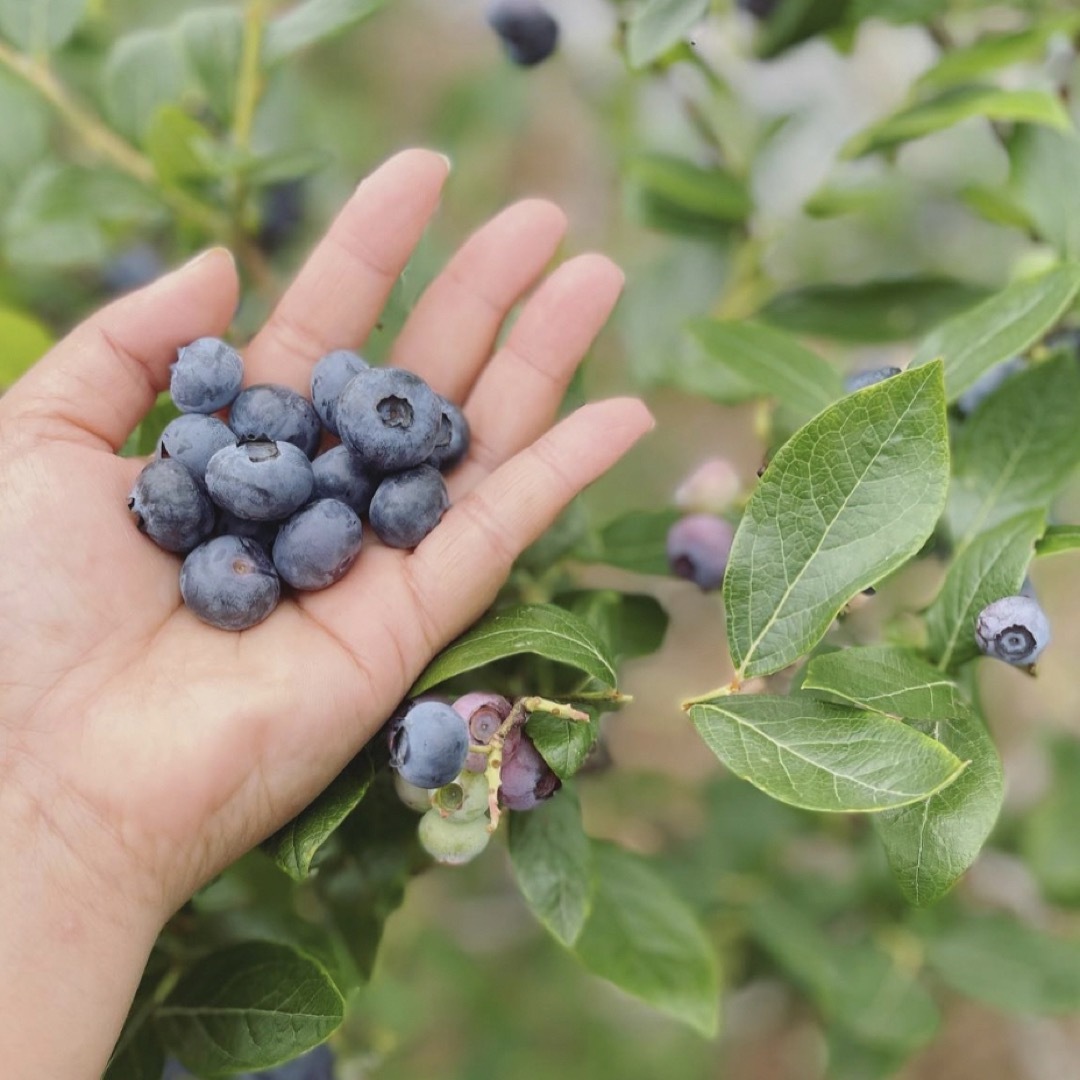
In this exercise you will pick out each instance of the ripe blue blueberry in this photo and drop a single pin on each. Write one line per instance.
(262, 532)
(206, 376)
(269, 411)
(528, 32)
(317, 545)
(861, 379)
(171, 506)
(389, 418)
(339, 474)
(230, 583)
(428, 744)
(281, 212)
(983, 387)
(132, 268)
(698, 547)
(408, 505)
(329, 378)
(1014, 629)
(450, 842)
(525, 778)
(453, 440)
(193, 439)
(260, 480)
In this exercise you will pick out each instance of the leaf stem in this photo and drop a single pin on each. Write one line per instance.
(249, 83)
(732, 687)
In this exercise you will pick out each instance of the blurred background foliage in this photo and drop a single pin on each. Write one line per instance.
(734, 166)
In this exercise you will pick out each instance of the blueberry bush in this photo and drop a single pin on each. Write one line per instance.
(852, 232)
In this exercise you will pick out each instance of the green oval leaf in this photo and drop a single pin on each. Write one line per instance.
(552, 863)
(643, 938)
(313, 22)
(1058, 538)
(250, 1006)
(688, 189)
(820, 756)
(145, 70)
(850, 497)
(999, 328)
(212, 40)
(1046, 183)
(541, 629)
(954, 105)
(660, 25)
(39, 26)
(636, 541)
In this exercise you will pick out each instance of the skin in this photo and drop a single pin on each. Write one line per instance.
(142, 751)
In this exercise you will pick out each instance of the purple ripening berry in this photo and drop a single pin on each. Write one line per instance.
(526, 778)
(698, 547)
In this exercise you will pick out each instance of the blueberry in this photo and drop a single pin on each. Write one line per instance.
(415, 798)
(339, 474)
(698, 547)
(862, 379)
(710, 489)
(452, 843)
(268, 411)
(171, 506)
(281, 212)
(1014, 629)
(407, 506)
(453, 442)
(528, 32)
(262, 532)
(464, 799)
(317, 545)
(525, 778)
(428, 744)
(317, 1064)
(260, 480)
(484, 713)
(329, 378)
(193, 439)
(984, 386)
(390, 418)
(230, 582)
(131, 269)
(206, 376)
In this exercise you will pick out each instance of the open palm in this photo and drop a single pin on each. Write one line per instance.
(147, 749)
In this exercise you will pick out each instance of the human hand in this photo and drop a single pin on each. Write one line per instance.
(142, 751)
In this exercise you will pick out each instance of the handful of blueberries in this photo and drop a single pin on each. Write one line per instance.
(252, 503)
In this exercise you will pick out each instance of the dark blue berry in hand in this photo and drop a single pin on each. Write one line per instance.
(408, 505)
(526, 778)
(329, 378)
(339, 474)
(428, 744)
(230, 583)
(528, 32)
(389, 418)
(698, 547)
(193, 439)
(1014, 629)
(317, 545)
(453, 441)
(206, 376)
(861, 379)
(268, 411)
(171, 506)
(262, 532)
(260, 480)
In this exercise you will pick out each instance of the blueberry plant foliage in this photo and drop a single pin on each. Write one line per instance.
(125, 148)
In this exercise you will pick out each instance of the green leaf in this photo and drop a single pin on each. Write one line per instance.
(993, 52)
(552, 862)
(931, 843)
(632, 624)
(140, 1058)
(997, 205)
(692, 368)
(249, 1006)
(39, 26)
(993, 565)
(660, 25)
(212, 40)
(1046, 181)
(794, 21)
(540, 629)
(563, 744)
(311, 23)
(1014, 453)
(772, 362)
(294, 846)
(145, 70)
(865, 482)
(696, 193)
(24, 134)
(636, 541)
(179, 146)
(1058, 538)
(1009, 966)
(951, 107)
(820, 756)
(643, 938)
(870, 312)
(1048, 837)
(999, 328)
(25, 341)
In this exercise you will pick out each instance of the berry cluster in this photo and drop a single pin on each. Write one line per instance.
(252, 503)
(460, 764)
(699, 544)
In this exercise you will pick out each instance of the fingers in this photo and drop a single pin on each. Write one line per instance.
(99, 382)
(336, 298)
(518, 395)
(452, 331)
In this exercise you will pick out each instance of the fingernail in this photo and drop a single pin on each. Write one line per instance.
(203, 255)
(446, 158)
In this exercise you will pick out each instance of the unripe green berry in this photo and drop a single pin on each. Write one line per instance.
(464, 800)
(450, 842)
(415, 798)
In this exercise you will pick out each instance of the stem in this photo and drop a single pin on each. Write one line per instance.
(249, 82)
(721, 691)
